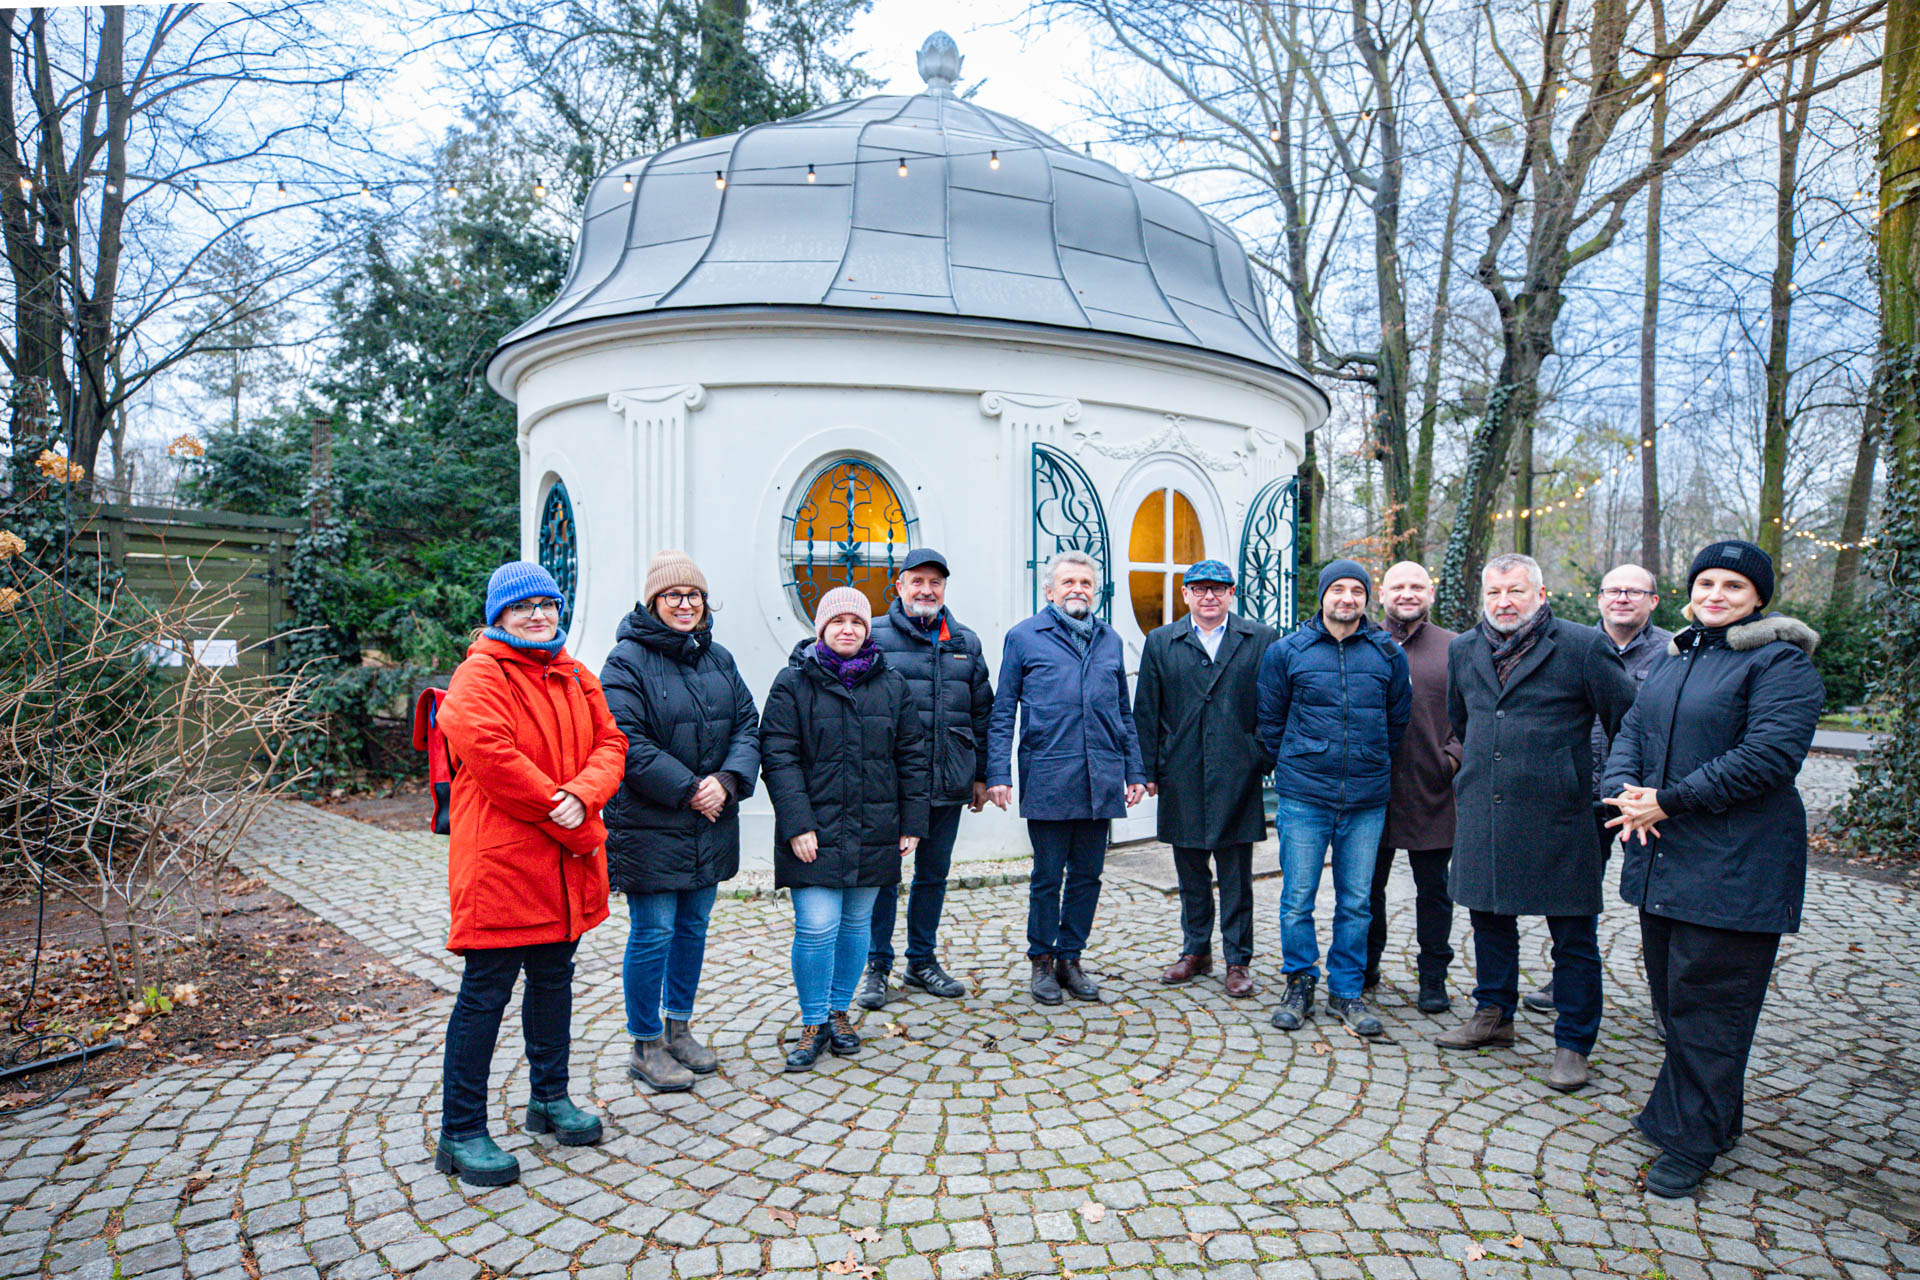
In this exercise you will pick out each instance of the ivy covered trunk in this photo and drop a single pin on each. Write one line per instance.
(1883, 814)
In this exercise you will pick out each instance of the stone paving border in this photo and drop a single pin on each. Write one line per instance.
(1164, 1132)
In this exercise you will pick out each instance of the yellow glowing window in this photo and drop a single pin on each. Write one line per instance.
(848, 529)
(1165, 539)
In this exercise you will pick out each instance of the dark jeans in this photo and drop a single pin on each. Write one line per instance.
(1432, 911)
(546, 1010)
(1576, 972)
(1073, 853)
(931, 862)
(1235, 863)
(1708, 985)
(1601, 817)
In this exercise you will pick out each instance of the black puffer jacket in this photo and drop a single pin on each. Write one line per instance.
(687, 714)
(847, 764)
(950, 687)
(1721, 728)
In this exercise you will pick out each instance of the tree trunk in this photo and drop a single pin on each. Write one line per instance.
(1513, 401)
(320, 481)
(1652, 558)
(1523, 490)
(1422, 500)
(1853, 525)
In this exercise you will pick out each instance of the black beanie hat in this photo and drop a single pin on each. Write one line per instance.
(1743, 558)
(1338, 569)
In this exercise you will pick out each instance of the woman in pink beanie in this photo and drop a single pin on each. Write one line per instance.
(845, 759)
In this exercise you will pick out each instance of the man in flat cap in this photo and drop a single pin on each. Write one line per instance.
(1195, 705)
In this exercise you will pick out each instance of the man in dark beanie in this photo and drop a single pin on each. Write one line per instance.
(1334, 702)
(1523, 690)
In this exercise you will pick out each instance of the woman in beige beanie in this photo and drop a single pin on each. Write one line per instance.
(845, 757)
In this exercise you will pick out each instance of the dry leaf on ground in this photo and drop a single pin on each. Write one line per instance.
(785, 1217)
(865, 1235)
(1322, 1048)
(1093, 1211)
(1476, 1252)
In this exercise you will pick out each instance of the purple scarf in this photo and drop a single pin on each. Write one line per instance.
(1509, 649)
(848, 671)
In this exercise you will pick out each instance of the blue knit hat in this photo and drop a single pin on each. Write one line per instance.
(519, 580)
(1338, 569)
(1208, 571)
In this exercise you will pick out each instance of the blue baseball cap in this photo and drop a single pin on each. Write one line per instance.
(1208, 571)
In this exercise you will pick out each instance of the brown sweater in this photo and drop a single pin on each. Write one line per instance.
(1420, 803)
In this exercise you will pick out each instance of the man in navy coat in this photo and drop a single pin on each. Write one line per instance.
(1063, 673)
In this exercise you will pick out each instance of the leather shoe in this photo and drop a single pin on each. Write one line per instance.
(842, 1039)
(1670, 1177)
(569, 1125)
(688, 1051)
(813, 1042)
(1569, 1070)
(1067, 971)
(654, 1066)
(1045, 987)
(1541, 1001)
(1486, 1027)
(1239, 981)
(476, 1161)
(932, 979)
(1186, 969)
(1433, 997)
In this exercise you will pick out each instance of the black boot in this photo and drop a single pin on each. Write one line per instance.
(841, 1037)
(1045, 987)
(1067, 971)
(813, 1042)
(873, 988)
(932, 979)
(1296, 1007)
(1433, 996)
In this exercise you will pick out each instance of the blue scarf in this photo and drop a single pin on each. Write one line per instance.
(548, 647)
(1079, 630)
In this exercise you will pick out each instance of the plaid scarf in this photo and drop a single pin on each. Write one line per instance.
(1509, 649)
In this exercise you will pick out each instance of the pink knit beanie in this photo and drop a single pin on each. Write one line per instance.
(836, 602)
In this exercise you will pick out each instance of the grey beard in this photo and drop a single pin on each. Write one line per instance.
(1505, 629)
(914, 609)
(1076, 608)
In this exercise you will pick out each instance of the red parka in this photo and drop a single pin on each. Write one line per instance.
(522, 727)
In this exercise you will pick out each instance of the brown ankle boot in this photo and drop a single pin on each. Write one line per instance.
(1485, 1029)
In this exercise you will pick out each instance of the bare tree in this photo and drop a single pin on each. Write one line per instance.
(134, 141)
(1563, 198)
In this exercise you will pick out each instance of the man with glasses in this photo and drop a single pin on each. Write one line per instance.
(1628, 596)
(1196, 707)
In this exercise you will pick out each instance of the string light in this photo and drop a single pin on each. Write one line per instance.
(810, 174)
(365, 189)
(627, 183)
(1659, 77)
(993, 161)
(902, 170)
(1273, 134)
(1753, 57)
(1562, 91)
(719, 180)
(1472, 98)
(283, 186)
(196, 186)
(26, 186)
(540, 188)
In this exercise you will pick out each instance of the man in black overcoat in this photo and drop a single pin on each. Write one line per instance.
(1523, 690)
(1196, 703)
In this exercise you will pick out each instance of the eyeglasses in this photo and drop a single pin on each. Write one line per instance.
(1623, 593)
(678, 599)
(527, 608)
(1210, 588)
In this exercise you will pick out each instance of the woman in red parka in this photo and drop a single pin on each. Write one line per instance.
(537, 754)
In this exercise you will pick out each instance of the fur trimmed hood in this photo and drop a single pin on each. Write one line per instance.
(1764, 629)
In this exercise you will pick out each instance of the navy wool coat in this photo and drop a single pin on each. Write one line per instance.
(1078, 748)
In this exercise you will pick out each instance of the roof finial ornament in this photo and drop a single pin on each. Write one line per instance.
(939, 61)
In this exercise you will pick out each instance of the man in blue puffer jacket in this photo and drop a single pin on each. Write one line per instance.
(1335, 698)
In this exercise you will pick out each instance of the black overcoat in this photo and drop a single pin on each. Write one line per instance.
(687, 714)
(1721, 729)
(1524, 842)
(1196, 717)
(948, 678)
(847, 764)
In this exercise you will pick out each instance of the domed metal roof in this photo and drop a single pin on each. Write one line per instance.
(923, 204)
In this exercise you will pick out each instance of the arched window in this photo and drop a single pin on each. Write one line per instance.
(560, 546)
(849, 528)
(1166, 538)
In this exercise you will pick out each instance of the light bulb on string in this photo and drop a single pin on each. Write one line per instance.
(26, 186)
(1273, 134)
(365, 189)
(196, 186)
(453, 190)
(902, 170)
(1562, 91)
(283, 186)
(719, 180)
(1472, 98)
(993, 161)
(626, 184)
(811, 176)
(1659, 77)
(540, 188)
(1753, 57)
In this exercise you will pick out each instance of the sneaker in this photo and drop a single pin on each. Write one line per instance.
(873, 988)
(1296, 1006)
(1541, 1001)
(932, 979)
(1356, 1015)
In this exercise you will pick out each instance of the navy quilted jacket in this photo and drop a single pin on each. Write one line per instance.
(1332, 713)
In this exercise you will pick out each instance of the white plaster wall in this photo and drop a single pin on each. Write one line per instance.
(731, 419)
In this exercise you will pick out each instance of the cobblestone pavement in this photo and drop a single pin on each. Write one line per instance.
(1164, 1132)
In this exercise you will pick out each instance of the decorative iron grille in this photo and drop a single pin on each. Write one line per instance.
(560, 547)
(849, 528)
(1270, 554)
(1067, 513)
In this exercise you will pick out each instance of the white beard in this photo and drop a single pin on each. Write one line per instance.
(1076, 608)
(914, 609)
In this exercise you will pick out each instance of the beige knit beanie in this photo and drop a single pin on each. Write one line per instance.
(836, 602)
(672, 569)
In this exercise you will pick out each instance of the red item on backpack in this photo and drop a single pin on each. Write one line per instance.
(428, 737)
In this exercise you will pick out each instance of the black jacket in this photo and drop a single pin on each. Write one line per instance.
(847, 764)
(1196, 717)
(1721, 729)
(687, 714)
(1639, 657)
(1523, 841)
(948, 679)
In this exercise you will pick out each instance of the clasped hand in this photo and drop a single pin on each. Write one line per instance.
(1639, 810)
(708, 799)
(806, 845)
(567, 812)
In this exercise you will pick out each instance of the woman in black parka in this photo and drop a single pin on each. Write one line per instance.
(1702, 772)
(673, 829)
(845, 757)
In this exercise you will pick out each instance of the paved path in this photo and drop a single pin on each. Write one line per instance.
(1162, 1133)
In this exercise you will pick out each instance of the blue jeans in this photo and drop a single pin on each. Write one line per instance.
(546, 1014)
(831, 929)
(1070, 852)
(1305, 831)
(665, 947)
(931, 862)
